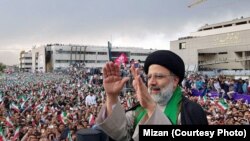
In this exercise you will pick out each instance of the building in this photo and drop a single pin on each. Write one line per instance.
(220, 46)
(25, 61)
(54, 57)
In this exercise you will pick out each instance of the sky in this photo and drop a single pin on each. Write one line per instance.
(126, 23)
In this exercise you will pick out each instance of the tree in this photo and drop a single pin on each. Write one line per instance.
(2, 67)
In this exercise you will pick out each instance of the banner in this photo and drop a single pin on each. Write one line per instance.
(122, 59)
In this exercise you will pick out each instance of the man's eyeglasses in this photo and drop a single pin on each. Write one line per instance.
(158, 76)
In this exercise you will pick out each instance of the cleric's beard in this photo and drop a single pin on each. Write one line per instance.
(164, 95)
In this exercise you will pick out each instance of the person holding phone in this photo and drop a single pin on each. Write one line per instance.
(160, 102)
(136, 65)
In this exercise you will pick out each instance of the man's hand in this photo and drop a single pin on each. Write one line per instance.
(142, 94)
(112, 83)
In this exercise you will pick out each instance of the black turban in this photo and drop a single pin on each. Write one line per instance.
(167, 59)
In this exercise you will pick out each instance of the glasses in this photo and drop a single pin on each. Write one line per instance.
(158, 76)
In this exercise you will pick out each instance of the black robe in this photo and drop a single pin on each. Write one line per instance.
(192, 113)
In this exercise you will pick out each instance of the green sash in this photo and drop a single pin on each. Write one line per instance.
(171, 109)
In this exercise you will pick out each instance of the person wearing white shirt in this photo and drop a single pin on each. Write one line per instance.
(88, 100)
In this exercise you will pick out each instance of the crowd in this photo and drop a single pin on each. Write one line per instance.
(216, 98)
(54, 106)
(48, 106)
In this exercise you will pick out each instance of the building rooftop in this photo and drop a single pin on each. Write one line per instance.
(234, 22)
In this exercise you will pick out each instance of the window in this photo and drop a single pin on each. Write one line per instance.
(217, 27)
(240, 23)
(60, 51)
(90, 61)
(102, 53)
(207, 28)
(139, 54)
(182, 45)
(222, 52)
(102, 61)
(92, 53)
(227, 25)
(62, 61)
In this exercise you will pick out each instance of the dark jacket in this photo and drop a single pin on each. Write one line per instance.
(192, 113)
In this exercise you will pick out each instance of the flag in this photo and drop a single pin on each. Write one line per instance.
(8, 122)
(16, 134)
(202, 99)
(212, 102)
(222, 104)
(42, 93)
(1, 98)
(14, 107)
(91, 120)
(45, 108)
(63, 117)
(122, 59)
(2, 137)
(24, 101)
(1, 102)
(7, 131)
(38, 107)
(24, 98)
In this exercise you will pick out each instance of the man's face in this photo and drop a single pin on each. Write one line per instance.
(161, 83)
(85, 123)
(61, 127)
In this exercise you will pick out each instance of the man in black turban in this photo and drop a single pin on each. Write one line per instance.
(160, 102)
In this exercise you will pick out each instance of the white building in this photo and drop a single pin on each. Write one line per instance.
(220, 46)
(51, 57)
(25, 61)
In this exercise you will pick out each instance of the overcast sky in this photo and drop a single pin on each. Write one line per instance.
(133, 23)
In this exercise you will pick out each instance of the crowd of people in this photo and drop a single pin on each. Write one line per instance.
(51, 106)
(54, 106)
(216, 98)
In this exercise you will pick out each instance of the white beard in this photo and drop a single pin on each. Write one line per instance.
(164, 95)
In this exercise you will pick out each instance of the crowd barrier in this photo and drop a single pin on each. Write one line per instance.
(244, 97)
(236, 96)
